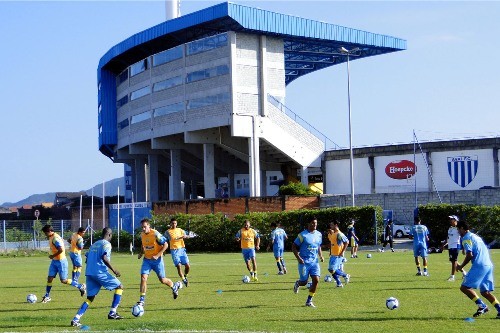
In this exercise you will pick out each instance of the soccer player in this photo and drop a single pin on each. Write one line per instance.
(338, 245)
(480, 275)
(75, 253)
(353, 239)
(250, 241)
(420, 236)
(153, 246)
(175, 236)
(277, 238)
(307, 249)
(59, 263)
(453, 243)
(388, 236)
(97, 275)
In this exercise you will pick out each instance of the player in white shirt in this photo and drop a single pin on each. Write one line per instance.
(453, 243)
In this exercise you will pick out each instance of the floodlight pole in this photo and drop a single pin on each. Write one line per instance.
(347, 52)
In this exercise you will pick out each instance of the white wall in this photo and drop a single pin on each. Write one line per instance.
(338, 176)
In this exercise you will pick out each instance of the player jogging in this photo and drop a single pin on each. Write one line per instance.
(277, 238)
(75, 252)
(58, 264)
(175, 236)
(338, 245)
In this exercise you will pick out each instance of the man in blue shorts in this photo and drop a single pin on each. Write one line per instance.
(153, 246)
(97, 275)
(307, 249)
(277, 238)
(58, 264)
(480, 275)
(338, 245)
(420, 236)
(249, 240)
(75, 253)
(175, 237)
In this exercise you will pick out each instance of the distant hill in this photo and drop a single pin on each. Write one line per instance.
(110, 189)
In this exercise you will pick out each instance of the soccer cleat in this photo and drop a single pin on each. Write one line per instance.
(82, 289)
(185, 281)
(310, 304)
(255, 278)
(280, 273)
(296, 287)
(347, 278)
(480, 311)
(451, 279)
(381, 250)
(498, 315)
(46, 299)
(392, 250)
(175, 289)
(141, 303)
(340, 285)
(284, 270)
(419, 273)
(425, 273)
(75, 323)
(114, 315)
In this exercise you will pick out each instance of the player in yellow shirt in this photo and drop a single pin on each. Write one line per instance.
(338, 245)
(75, 253)
(153, 246)
(59, 263)
(250, 241)
(175, 236)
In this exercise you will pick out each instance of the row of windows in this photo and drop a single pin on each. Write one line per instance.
(174, 81)
(202, 45)
(195, 103)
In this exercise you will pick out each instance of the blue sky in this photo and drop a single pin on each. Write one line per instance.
(446, 85)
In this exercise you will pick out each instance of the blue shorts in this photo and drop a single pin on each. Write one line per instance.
(248, 254)
(480, 277)
(420, 250)
(95, 282)
(278, 252)
(306, 270)
(179, 256)
(155, 265)
(335, 263)
(59, 266)
(76, 259)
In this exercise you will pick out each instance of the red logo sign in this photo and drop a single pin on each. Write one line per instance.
(400, 169)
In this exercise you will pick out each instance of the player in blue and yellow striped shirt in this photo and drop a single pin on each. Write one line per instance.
(338, 245)
(75, 253)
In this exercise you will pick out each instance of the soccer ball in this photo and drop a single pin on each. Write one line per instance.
(369, 255)
(31, 298)
(392, 303)
(245, 279)
(328, 278)
(137, 310)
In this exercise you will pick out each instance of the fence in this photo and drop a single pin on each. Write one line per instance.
(27, 234)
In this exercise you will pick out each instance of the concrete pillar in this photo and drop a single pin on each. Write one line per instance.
(175, 192)
(304, 176)
(140, 180)
(254, 161)
(263, 76)
(208, 170)
(231, 185)
(153, 178)
(263, 184)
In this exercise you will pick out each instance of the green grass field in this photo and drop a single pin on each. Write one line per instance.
(217, 300)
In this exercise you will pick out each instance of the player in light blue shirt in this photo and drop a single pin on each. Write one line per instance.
(307, 250)
(96, 272)
(277, 238)
(480, 275)
(420, 236)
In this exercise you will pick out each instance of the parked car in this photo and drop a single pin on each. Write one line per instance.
(400, 230)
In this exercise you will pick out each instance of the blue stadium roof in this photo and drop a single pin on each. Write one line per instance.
(309, 45)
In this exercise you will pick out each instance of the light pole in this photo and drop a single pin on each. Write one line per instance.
(348, 53)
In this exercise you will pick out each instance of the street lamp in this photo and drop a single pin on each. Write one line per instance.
(349, 53)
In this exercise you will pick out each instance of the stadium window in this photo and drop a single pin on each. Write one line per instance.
(123, 76)
(208, 100)
(168, 83)
(140, 117)
(122, 124)
(140, 93)
(164, 110)
(167, 56)
(122, 101)
(207, 73)
(206, 44)
(139, 67)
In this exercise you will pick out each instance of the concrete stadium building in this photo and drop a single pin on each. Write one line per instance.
(194, 106)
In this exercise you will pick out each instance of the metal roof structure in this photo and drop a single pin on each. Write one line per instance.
(309, 45)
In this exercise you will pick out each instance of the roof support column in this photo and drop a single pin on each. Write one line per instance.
(140, 180)
(208, 170)
(174, 182)
(304, 176)
(254, 159)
